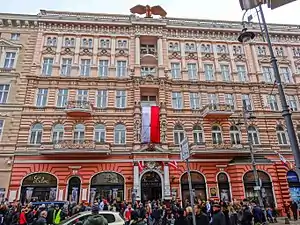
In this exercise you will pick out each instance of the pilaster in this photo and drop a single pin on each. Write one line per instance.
(136, 181)
(137, 51)
(167, 186)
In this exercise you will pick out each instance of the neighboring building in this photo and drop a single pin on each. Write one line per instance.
(80, 129)
(17, 44)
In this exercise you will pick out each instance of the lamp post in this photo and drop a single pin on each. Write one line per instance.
(246, 36)
(248, 115)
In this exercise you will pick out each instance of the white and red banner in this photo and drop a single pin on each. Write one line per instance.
(173, 164)
(150, 124)
(141, 165)
(284, 161)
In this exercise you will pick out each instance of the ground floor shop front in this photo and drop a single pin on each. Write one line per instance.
(87, 180)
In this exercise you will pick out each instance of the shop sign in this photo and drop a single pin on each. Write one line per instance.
(40, 179)
(292, 177)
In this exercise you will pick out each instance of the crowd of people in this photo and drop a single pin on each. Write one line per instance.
(148, 213)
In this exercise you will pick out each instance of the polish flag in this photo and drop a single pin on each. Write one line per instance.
(173, 164)
(284, 161)
(150, 125)
(141, 165)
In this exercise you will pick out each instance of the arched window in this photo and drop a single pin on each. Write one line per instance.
(198, 184)
(54, 41)
(79, 133)
(58, 133)
(67, 42)
(224, 187)
(49, 41)
(187, 47)
(74, 185)
(298, 133)
(176, 47)
(36, 133)
(198, 135)
(90, 43)
(72, 42)
(120, 134)
(253, 135)
(99, 133)
(281, 135)
(84, 42)
(235, 135)
(171, 46)
(216, 134)
(178, 134)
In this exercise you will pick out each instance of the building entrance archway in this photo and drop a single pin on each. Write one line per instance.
(74, 186)
(151, 186)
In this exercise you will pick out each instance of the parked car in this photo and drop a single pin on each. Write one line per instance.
(113, 218)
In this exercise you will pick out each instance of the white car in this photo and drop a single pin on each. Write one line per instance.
(113, 218)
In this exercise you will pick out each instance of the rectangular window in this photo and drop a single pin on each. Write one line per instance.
(82, 95)
(62, 97)
(246, 101)
(102, 99)
(1, 128)
(103, 68)
(272, 102)
(41, 99)
(121, 68)
(120, 99)
(192, 71)
(242, 74)
(229, 100)
(292, 102)
(177, 101)
(195, 100)
(286, 75)
(268, 74)
(209, 72)
(47, 66)
(212, 99)
(175, 70)
(9, 60)
(225, 73)
(148, 71)
(15, 37)
(85, 67)
(4, 91)
(66, 67)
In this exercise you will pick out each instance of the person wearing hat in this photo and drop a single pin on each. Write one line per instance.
(218, 217)
(201, 217)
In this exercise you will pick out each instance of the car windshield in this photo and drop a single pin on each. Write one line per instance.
(69, 219)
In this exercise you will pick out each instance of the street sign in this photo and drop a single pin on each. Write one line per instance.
(251, 4)
(184, 149)
(274, 4)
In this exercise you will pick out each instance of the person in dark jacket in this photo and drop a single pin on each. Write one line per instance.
(218, 217)
(246, 217)
(294, 208)
(96, 220)
(257, 213)
(42, 220)
(180, 220)
(201, 218)
(50, 214)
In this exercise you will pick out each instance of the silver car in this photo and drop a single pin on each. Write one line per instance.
(113, 218)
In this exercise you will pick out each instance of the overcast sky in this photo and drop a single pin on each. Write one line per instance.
(201, 9)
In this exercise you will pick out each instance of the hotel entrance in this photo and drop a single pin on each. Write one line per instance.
(151, 186)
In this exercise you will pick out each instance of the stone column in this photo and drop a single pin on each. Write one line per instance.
(58, 49)
(113, 52)
(137, 50)
(136, 181)
(160, 53)
(77, 49)
(167, 187)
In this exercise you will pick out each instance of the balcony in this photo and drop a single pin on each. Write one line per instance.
(224, 147)
(217, 111)
(148, 54)
(74, 147)
(79, 109)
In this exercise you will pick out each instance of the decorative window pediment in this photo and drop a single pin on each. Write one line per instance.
(8, 44)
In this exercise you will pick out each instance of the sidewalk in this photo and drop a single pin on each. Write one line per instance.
(281, 221)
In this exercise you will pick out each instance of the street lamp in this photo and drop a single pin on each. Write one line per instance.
(244, 37)
(248, 115)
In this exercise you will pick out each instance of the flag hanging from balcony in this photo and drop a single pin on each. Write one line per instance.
(173, 164)
(141, 165)
(150, 124)
(284, 161)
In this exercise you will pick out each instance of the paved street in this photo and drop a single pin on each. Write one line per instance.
(281, 221)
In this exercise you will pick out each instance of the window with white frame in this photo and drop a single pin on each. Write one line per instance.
(51, 41)
(253, 137)
(206, 48)
(174, 47)
(79, 133)
(246, 101)
(121, 68)
(122, 44)
(120, 134)
(58, 133)
(85, 67)
(177, 101)
(286, 75)
(82, 96)
(104, 43)
(229, 100)
(87, 43)
(36, 134)
(179, 134)
(99, 133)
(225, 73)
(41, 98)
(195, 100)
(242, 74)
(175, 71)
(1, 128)
(292, 102)
(235, 135)
(62, 98)
(102, 99)
(66, 67)
(261, 50)
(216, 135)
(198, 135)
(268, 74)
(120, 99)
(103, 68)
(209, 72)
(145, 70)
(4, 91)
(192, 71)
(9, 61)
(47, 66)
(272, 102)
(69, 42)
(281, 135)
(212, 99)
(15, 36)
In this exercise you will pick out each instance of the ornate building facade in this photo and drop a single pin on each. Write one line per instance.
(80, 129)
